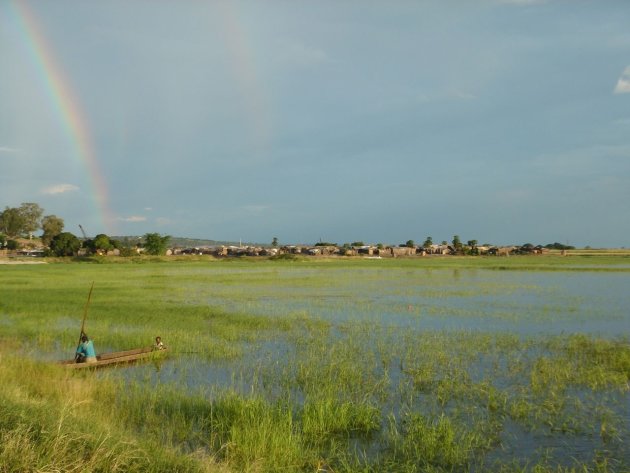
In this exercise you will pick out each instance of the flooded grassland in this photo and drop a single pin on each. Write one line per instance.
(437, 364)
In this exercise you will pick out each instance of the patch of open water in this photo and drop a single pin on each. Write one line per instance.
(524, 302)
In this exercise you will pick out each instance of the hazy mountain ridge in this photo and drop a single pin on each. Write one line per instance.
(187, 242)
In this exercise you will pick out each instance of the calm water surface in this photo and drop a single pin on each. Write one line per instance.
(525, 302)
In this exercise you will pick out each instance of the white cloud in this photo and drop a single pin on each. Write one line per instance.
(163, 221)
(623, 84)
(133, 218)
(302, 55)
(255, 209)
(148, 209)
(59, 189)
(9, 150)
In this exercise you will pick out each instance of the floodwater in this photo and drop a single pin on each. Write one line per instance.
(523, 302)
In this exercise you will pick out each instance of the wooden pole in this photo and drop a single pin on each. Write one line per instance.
(85, 311)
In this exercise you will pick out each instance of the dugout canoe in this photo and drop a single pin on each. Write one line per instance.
(118, 357)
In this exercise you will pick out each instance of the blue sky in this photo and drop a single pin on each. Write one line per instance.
(501, 121)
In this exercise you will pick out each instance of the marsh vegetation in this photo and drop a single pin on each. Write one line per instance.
(362, 365)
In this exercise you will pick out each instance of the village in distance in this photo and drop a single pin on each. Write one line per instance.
(26, 231)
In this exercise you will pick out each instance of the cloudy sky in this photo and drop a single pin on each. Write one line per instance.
(505, 121)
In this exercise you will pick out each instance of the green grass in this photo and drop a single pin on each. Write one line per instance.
(50, 421)
(307, 392)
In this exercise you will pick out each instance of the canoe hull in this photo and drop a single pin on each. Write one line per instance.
(119, 357)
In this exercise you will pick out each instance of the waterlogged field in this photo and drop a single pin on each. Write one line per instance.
(436, 364)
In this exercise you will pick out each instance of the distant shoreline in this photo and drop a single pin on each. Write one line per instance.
(19, 261)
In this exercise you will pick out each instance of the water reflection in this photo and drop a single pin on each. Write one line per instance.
(525, 302)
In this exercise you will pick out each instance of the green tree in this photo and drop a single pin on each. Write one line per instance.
(128, 251)
(12, 245)
(65, 244)
(457, 243)
(101, 242)
(88, 245)
(127, 247)
(155, 244)
(473, 247)
(274, 242)
(357, 243)
(52, 226)
(12, 222)
(410, 244)
(428, 242)
(559, 246)
(32, 214)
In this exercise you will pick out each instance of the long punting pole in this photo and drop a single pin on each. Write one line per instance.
(85, 311)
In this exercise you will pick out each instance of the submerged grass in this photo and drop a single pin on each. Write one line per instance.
(306, 393)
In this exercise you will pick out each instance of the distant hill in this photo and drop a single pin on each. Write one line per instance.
(183, 242)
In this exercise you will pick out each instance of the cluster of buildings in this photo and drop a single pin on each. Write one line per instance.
(370, 251)
(366, 250)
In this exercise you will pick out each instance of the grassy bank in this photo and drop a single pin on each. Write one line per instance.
(53, 421)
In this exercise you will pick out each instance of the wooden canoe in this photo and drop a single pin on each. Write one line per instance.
(117, 357)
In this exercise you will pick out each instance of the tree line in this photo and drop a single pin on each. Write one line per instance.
(28, 218)
(457, 245)
(25, 220)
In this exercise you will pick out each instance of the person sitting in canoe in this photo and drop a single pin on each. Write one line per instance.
(159, 345)
(85, 351)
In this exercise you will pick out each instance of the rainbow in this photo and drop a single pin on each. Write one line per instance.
(65, 104)
(255, 103)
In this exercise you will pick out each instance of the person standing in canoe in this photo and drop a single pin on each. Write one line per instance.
(85, 351)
